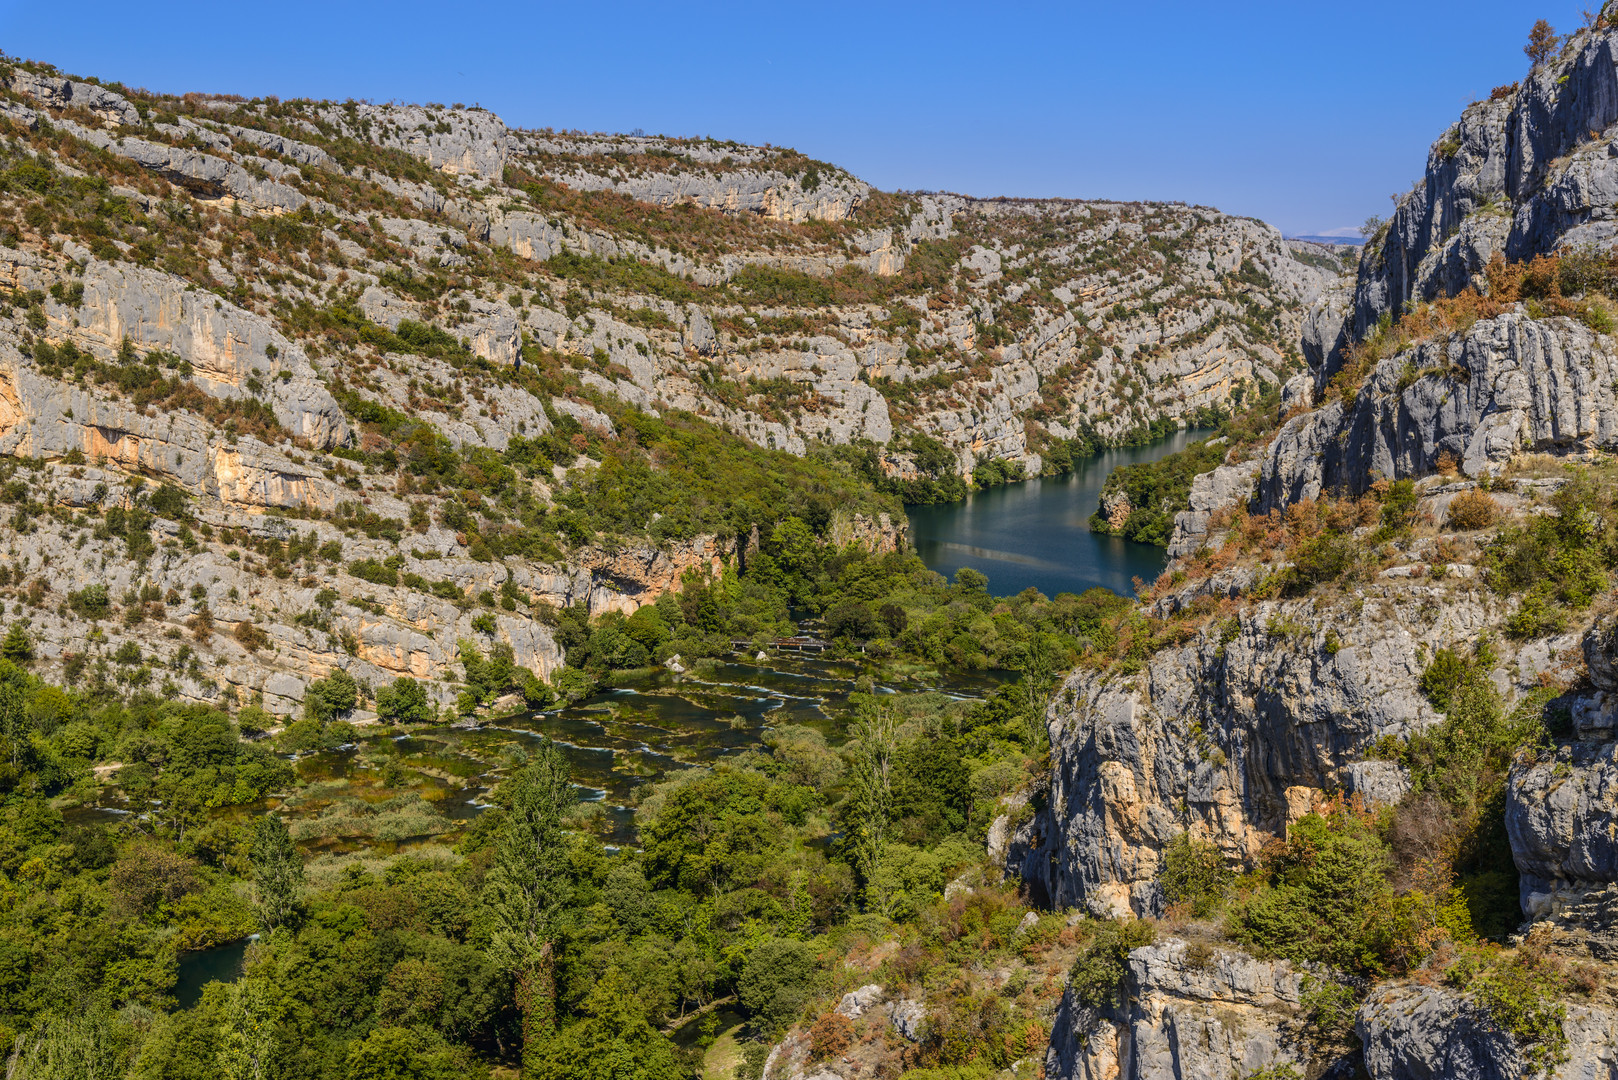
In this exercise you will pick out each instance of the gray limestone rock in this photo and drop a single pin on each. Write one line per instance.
(741, 180)
(1519, 175)
(301, 152)
(1298, 393)
(1193, 1013)
(699, 333)
(203, 175)
(1227, 736)
(1376, 783)
(1224, 488)
(1562, 818)
(1325, 334)
(907, 1016)
(1437, 1032)
(856, 1003)
(226, 346)
(58, 93)
(1430, 1032)
(469, 143)
(1509, 384)
(1600, 647)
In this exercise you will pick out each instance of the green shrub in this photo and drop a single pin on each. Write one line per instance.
(374, 572)
(18, 647)
(777, 979)
(1322, 559)
(1521, 999)
(1557, 561)
(1327, 898)
(1445, 675)
(405, 701)
(335, 695)
(1330, 1008)
(1398, 511)
(1193, 873)
(1097, 976)
(169, 501)
(90, 602)
(1281, 1070)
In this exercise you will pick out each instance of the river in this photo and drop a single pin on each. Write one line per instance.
(1035, 533)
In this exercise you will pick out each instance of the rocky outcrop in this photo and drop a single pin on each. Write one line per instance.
(1230, 738)
(1521, 174)
(1325, 338)
(1193, 1013)
(314, 622)
(1414, 1031)
(727, 177)
(623, 579)
(59, 93)
(880, 535)
(1562, 816)
(460, 142)
(228, 348)
(1426, 1032)
(770, 194)
(1224, 488)
(1507, 385)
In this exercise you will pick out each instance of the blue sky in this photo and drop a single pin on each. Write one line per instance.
(1307, 114)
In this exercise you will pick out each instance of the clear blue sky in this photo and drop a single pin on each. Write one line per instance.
(1307, 114)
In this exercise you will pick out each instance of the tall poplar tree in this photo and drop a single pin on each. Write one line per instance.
(528, 886)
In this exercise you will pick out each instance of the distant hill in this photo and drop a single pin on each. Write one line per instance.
(1352, 241)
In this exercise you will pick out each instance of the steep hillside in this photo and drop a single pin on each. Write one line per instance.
(1350, 751)
(386, 339)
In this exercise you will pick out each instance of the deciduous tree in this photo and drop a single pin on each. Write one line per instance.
(1541, 42)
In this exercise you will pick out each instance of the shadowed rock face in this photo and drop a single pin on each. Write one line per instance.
(1432, 1032)
(1562, 813)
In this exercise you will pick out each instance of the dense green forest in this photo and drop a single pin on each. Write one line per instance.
(526, 942)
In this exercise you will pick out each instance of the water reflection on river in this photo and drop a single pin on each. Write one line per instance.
(1035, 533)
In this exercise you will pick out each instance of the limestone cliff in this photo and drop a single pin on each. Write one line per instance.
(1260, 707)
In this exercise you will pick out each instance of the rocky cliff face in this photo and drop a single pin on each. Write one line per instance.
(1507, 385)
(1239, 732)
(1241, 725)
(1521, 174)
(1193, 1011)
